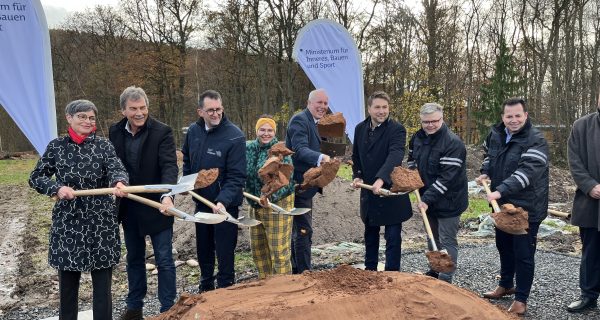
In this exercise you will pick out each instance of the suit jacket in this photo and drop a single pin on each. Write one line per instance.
(374, 155)
(302, 137)
(157, 164)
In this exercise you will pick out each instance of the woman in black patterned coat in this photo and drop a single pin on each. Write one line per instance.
(85, 233)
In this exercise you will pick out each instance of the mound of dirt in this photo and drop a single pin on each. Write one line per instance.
(511, 219)
(405, 180)
(341, 293)
(332, 125)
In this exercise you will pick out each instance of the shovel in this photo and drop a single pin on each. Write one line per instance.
(199, 217)
(278, 209)
(186, 183)
(497, 209)
(440, 261)
(382, 192)
(244, 221)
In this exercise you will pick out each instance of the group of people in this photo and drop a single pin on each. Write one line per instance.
(140, 150)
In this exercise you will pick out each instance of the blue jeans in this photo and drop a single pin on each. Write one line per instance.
(517, 260)
(393, 247)
(162, 243)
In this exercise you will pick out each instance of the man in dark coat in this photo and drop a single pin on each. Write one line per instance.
(302, 137)
(147, 149)
(584, 162)
(516, 161)
(440, 156)
(214, 142)
(378, 148)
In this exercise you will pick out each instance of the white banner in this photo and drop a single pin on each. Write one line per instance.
(329, 57)
(26, 85)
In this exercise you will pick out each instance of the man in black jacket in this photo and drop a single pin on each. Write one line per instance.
(214, 142)
(378, 148)
(584, 162)
(440, 156)
(516, 161)
(147, 149)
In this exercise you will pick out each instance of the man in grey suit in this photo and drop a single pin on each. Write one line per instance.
(303, 138)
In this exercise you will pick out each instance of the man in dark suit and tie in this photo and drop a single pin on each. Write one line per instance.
(378, 148)
(303, 138)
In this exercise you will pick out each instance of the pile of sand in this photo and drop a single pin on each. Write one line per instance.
(341, 293)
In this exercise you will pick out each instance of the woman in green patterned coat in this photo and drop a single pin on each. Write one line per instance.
(270, 241)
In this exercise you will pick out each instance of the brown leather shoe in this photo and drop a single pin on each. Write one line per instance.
(499, 292)
(517, 307)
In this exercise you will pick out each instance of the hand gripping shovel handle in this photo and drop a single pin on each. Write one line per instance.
(494, 203)
(426, 222)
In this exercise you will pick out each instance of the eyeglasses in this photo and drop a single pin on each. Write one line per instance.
(210, 112)
(83, 117)
(426, 123)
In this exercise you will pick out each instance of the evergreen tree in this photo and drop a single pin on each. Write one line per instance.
(505, 83)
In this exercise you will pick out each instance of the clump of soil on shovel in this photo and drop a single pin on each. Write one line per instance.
(511, 219)
(274, 174)
(279, 150)
(206, 177)
(342, 293)
(405, 180)
(321, 176)
(332, 125)
(440, 261)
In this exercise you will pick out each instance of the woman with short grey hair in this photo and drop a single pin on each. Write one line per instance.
(84, 236)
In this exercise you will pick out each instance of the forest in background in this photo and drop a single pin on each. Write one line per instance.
(468, 55)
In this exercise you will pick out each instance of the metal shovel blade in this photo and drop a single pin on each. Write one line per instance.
(299, 211)
(243, 221)
(185, 183)
(208, 218)
(294, 212)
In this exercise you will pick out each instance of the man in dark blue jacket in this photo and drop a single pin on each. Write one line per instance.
(516, 162)
(214, 142)
(440, 156)
(302, 137)
(378, 148)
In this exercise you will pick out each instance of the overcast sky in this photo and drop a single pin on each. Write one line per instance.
(57, 10)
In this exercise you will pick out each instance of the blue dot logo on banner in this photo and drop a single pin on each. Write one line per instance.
(329, 57)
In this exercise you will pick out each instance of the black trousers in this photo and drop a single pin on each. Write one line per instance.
(517, 260)
(219, 239)
(302, 234)
(68, 287)
(589, 270)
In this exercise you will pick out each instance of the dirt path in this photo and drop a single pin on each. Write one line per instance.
(13, 217)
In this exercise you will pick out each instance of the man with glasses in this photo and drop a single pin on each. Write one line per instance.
(440, 157)
(378, 147)
(214, 142)
(147, 149)
(516, 162)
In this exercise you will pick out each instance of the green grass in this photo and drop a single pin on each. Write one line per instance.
(477, 207)
(244, 261)
(16, 172)
(345, 172)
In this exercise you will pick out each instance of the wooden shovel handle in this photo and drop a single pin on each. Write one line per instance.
(426, 221)
(203, 200)
(153, 204)
(494, 203)
(251, 196)
(105, 191)
(382, 191)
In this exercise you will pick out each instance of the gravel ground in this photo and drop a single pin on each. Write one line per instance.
(555, 284)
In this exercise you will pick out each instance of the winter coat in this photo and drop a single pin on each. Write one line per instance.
(256, 155)
(222, 147)
(519, 169)
(84, 235)
(441, 160)
(374, 155)
(156, 164)
(302, 137)
(584, 162)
